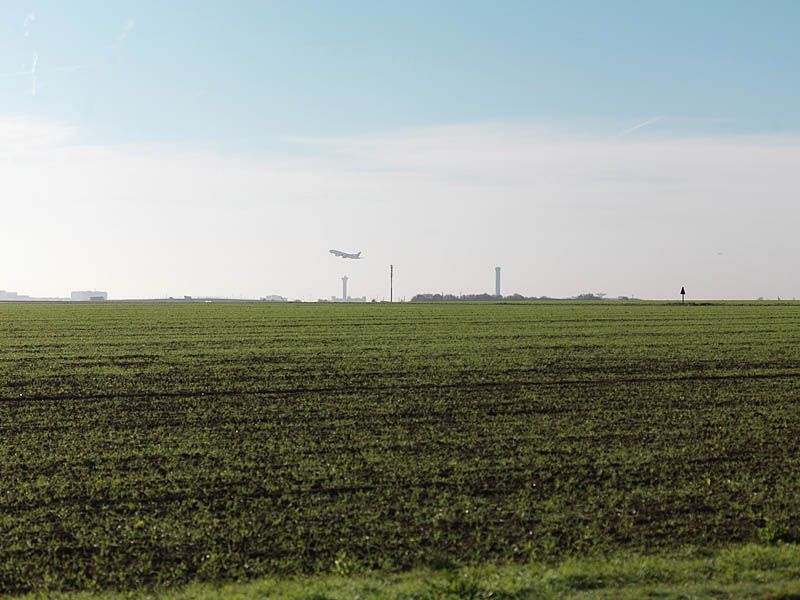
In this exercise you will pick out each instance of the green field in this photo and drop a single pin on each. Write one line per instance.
(149, 445)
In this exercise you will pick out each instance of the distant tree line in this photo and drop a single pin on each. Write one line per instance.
(511, 298)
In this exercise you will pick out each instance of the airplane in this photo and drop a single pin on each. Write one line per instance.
(345, 254)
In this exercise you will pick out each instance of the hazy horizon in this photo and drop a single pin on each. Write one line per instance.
(155, 151)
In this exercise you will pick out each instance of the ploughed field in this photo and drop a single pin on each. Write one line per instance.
(152, 444)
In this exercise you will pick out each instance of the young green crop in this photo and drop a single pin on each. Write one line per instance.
(153, 444)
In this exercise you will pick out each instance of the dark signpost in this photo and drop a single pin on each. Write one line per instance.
(683, 294)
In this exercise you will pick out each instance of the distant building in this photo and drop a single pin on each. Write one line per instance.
(4, 295)
(274, 298)
(88, 296)
(497, 291)
(348, 299)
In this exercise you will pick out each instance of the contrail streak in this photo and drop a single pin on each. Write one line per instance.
(33, 73)
(638, 126)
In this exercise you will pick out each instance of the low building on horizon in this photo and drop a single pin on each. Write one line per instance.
(4, 295)
(88, 296)
(348, 299)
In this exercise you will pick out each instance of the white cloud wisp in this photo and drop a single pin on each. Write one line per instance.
(127, 28)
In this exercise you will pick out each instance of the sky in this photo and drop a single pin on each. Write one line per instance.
(156, 149)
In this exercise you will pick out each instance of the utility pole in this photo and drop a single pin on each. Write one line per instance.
(391, 282)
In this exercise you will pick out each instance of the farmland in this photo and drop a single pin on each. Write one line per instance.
(156, 444)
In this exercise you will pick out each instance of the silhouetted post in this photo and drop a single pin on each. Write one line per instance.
(683, 294)
(391, 282)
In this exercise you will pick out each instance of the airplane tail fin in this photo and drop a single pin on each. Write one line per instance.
(359, 255)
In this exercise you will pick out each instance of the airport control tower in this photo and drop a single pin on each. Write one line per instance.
(345, 297)
(497, 281)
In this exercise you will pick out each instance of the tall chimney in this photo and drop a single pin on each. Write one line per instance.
(344, 288)
(497, 281)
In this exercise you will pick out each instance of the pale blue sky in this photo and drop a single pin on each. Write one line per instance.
(253, 71)
(326, 91)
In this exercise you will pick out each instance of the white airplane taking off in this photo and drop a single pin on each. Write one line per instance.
(341, 254)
